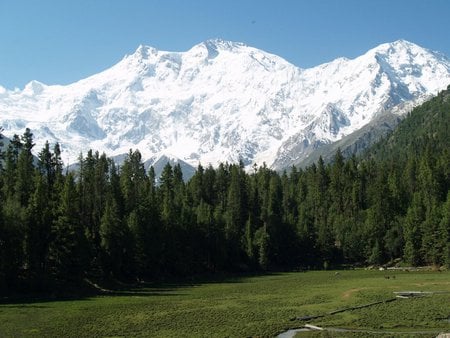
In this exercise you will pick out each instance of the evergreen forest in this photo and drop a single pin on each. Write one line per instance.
(104, 221)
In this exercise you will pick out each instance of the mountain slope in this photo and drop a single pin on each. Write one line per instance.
(4, 141)
(222, 101)
(355, 143)
(426, 129)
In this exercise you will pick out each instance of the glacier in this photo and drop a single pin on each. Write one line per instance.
(222, 101)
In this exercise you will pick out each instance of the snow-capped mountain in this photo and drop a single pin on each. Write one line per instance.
(222, 101)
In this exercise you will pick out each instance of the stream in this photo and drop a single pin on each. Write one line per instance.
(292, 332)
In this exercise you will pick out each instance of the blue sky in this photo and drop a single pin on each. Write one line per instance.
(62, 41)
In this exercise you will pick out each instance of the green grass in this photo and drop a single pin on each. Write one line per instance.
(239, 307)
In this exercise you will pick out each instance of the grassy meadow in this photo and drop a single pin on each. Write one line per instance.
(239, 307)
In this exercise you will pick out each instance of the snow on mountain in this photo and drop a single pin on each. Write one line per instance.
(221, 101)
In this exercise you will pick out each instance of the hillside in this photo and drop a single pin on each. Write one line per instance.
(358, 141)
(425, 128)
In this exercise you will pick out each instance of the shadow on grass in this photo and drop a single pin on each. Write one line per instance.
(26, 300)
(22, 306)
(88, 290)
(169, 285)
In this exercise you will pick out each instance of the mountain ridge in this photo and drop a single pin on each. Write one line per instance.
(222, 101)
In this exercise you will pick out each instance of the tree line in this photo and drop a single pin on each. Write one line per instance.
(121, 222)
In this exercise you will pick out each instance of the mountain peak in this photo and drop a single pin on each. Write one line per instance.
(393, 47)
(411, 62)
(212, 47)
(399, 47)
(222, 101)
(143, 52)
(34, 88)
(221, 44)
(402, 43)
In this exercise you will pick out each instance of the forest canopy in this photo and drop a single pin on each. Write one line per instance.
(109, 221)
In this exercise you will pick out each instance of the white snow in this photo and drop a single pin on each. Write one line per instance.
(220, 101)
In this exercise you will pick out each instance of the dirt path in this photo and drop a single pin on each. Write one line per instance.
(347, 294)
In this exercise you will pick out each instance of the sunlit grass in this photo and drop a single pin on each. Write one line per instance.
(238, 307)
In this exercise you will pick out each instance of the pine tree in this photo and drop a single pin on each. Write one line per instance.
(394, 242)
(179, 193)
(3, 240)
(205, 241)
(325, 233)
(12, 219)
(262, 240)
(305, 223)
(38, 228)
(25, 170)
(170, 251)
(133, 181)
(274, 226)
(10, 168)
(337, 183)
(57, 163)
(137, 245)
(166, 196)
(2, 153)
(113, 237)
(235, 215)
(412, 229)
(45, 164)
(101, 186)
(68, 250)
(153, 213)
(196, 188)
(249, 240)
(443, 243)
(380, 215)
(430, 250)
(92, 188)
(11, 248)
(132, 194)
(22, 173)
